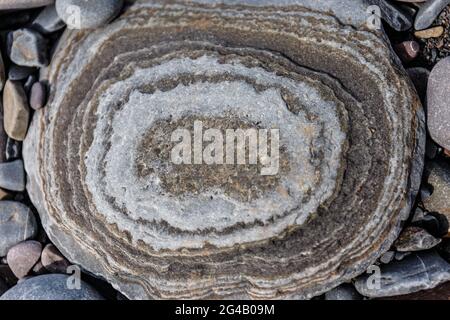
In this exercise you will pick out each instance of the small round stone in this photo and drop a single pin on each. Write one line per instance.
(37, 96)
(82, 14)
(23, 256)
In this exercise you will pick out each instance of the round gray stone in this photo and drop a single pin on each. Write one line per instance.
(438, 108)
(50, 287)
(81, 14)
(17, 223)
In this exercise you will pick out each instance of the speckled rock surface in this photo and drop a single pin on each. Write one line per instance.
(112, 202)
(17, 224)
(438, 176)
(50, 287)
(438, 108)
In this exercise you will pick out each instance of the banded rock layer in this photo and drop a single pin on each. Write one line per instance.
(351, 148)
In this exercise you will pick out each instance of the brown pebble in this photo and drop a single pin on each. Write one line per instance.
(53, 260)
(16, 112)
(37, 96)
(407, 50)
(434, 32)
(23, 256)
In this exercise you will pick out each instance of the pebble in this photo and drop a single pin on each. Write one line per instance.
(398, 17)
(417, 271)
(23, 256)
(13, 149)
(37, 96)
(53, 260)
(437, 174)
(17, 224)
(28, 48)
(12, 175)
(401, 255)
(434, 32)
(23, 4)
(419, 77)
(407, 50)
(387, 257)
(19, 73)
(48, 21)
(415, 239)
(50, 287)
(16, 112)
(438, 108)
(345, 291)
(93, 14)
(428, 12)
(2, 72)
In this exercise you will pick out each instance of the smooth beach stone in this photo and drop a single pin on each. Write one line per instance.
(415, 239)
(23, 256)
(398, 17)
(16, 113)
(23, 4)
(50, 287)
(53, 261)
(48, 21)
(12, 175)
(37, 95)
(428, 12)
(91, 14)
(438, 108)
(417, 271)
(17, 223)
(18, 73)
(348, 123)
(345, 291)
(28, 48)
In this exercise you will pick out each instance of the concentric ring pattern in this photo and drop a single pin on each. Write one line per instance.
(350, 138)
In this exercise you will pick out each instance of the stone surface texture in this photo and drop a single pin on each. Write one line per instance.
(50, 287)
(415, 272)
(437, 174)
(351, 155)
(23, 4)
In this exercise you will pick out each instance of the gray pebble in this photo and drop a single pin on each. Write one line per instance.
(438, 108)
(13, 149)
(345, 291)
(415, 239)
(17, 223)
(92, 14)
(400, 18)
(12, 175)
(37, 96)
(48, 21)
(428, 12)
(23, 4)
(418, 271)
(387, 257)
(50, 287)
(19, 73)
(28, 48)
